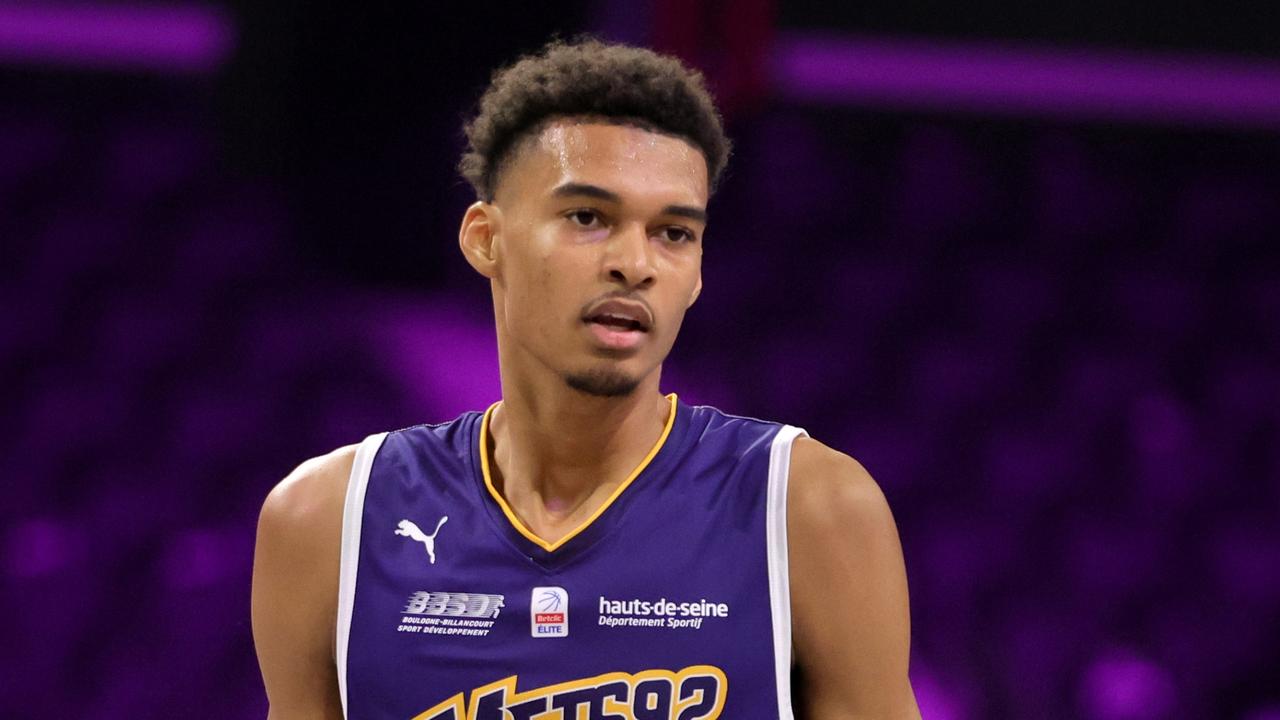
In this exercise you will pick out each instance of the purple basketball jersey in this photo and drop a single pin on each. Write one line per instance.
(670, 603)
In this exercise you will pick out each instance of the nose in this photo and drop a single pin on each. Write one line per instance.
(628, 256)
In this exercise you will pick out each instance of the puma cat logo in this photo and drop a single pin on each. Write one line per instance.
(413, 532)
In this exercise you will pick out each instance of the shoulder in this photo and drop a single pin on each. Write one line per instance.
(837, 516)
(844, 552)
(302, 515)
(296, 566)
(829, 491)
(299, 541)
(313, 492)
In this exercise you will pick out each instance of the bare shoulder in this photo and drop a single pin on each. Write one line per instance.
(313, 494)
(839, 525)
(295, 587)
(300, 527)
(844, 552)
(828, 489)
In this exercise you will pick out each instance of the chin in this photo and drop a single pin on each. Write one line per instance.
(603, 382)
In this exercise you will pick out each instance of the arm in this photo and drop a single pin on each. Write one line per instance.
(850, 620)
(295, 588)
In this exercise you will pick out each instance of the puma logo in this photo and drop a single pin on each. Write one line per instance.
(413, 532)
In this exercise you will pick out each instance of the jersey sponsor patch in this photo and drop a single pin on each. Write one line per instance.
(694, 693)
(450, 613)
(549, 612)
(660, 613)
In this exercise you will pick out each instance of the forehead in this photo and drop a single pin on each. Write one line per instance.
(624, 159)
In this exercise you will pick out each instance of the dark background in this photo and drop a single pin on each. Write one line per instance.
(1054, 341)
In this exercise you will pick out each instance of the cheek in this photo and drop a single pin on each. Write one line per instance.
(684, 269)
(683, 273)
(540, 284)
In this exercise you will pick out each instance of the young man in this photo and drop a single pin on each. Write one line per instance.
(587, 548)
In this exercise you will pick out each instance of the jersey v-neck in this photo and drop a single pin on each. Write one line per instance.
(589, 530)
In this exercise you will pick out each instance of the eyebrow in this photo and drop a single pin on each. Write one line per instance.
(595, 191)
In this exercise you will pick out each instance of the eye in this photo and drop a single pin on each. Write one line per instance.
(677, 235)
(584, 218)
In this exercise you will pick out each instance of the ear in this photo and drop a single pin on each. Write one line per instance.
(477, 235)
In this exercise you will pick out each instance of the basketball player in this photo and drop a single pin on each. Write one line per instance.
(587, 548)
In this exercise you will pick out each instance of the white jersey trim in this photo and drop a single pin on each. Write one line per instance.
(352, 518)
(779, 570)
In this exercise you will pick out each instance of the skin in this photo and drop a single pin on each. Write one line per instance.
(586, 210)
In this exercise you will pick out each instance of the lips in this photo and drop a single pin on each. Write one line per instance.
(620, 315)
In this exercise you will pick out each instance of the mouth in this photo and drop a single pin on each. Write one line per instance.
(619, 315)
(618, 324)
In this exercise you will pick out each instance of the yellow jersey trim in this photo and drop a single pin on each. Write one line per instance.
(520, 526)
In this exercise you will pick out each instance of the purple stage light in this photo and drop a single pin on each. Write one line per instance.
(180, 39)
(1016, 80)
(1123, 685)
(37, 548)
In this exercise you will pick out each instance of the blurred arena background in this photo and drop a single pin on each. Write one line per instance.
(1021, 260)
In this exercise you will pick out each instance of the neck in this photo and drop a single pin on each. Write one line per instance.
(558, 453)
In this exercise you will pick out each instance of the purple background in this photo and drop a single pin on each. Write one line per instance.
(1052, 336)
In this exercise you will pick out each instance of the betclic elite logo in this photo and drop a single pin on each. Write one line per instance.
(549, 612)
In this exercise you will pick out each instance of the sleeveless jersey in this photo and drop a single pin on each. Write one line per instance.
(670, 603)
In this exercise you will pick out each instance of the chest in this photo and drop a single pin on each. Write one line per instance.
(668, 606)
(452, 586)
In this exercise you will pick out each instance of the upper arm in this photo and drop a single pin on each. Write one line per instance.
(295, 588)
(850, 619)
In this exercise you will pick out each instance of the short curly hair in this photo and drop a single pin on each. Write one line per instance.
(588, 78)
